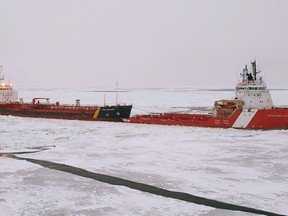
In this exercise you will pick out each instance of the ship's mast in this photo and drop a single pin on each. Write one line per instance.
(1, 76)
(104, 99)
(117, 96)
(254, 70)
(244, 73)
(250, 76)
(252, 89)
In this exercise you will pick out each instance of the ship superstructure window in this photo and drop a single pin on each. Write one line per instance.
(251, 88)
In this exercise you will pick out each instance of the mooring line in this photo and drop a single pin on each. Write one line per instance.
(142, 187)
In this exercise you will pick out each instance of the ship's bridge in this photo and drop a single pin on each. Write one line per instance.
(7, 93)
(252, 90)
(5, 86)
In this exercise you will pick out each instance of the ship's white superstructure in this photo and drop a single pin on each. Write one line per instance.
(253, 90)
(7, 93)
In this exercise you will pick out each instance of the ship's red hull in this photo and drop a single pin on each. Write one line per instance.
(276, 118)
(71, 112)
(269, 119)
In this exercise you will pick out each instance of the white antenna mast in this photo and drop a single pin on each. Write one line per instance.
(104, 99)
(117, 102)
(1, 76)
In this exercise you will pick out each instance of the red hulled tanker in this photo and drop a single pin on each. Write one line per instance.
(42, 108)
(252, 109)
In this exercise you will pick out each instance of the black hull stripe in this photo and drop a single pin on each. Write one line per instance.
(105, 113)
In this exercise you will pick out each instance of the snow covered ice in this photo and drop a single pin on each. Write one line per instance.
(243, 167)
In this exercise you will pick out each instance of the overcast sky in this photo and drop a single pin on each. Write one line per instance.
(142, 43)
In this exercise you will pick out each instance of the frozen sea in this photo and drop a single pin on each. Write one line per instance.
(242, 167)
